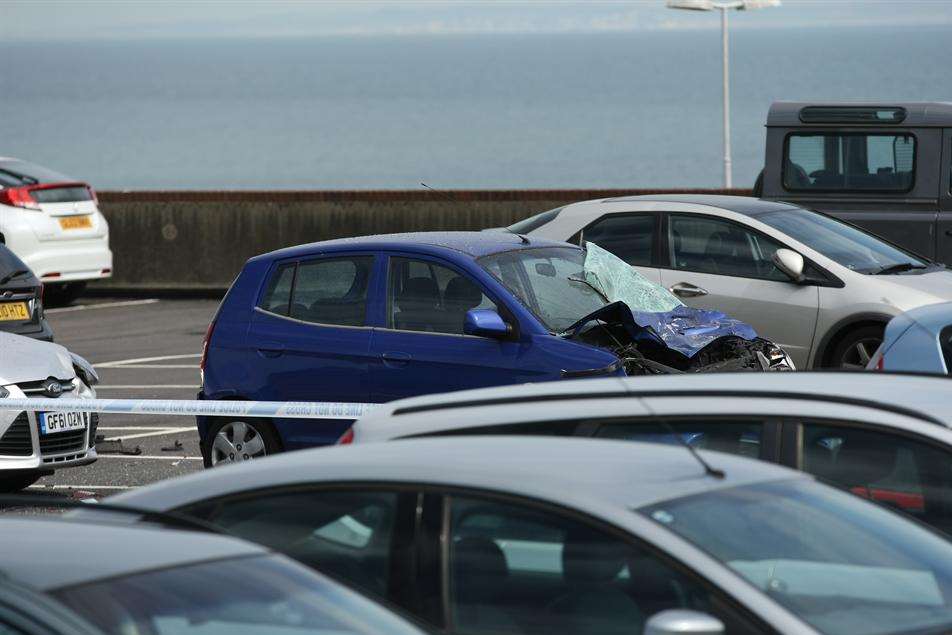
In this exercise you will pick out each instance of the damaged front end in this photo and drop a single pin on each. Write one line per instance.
(682, 340)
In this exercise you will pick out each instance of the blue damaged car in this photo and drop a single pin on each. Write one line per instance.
(380, 318)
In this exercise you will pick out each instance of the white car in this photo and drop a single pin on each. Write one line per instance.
(34, 444)
(52, 222)
(820, 288)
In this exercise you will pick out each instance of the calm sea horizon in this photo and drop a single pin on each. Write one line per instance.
(641, 109)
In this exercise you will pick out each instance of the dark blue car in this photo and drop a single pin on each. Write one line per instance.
(385, 317)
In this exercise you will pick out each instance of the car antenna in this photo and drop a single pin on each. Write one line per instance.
(713, 472)
(451, 199)
(448, 197)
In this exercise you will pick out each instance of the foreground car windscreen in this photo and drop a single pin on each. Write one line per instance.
(263, 595)
(842, 243)
(841, 564)
(561, 285)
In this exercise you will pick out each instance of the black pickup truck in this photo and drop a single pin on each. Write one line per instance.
(884, 167)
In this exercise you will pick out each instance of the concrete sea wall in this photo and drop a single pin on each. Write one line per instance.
(199, 240)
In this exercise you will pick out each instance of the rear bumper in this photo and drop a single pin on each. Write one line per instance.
(77, 259)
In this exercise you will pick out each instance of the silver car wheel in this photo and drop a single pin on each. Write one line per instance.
(237, 441)
(858, 355)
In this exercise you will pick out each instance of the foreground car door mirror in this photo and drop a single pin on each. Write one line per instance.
(789, 262)
(683, 622)
(485, 323)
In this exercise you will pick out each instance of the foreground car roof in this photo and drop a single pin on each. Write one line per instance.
(48, 553)
(473, 244)
(921, 396)
(581, 473)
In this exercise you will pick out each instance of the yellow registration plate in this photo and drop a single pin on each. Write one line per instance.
(76, 222)
(13, 311)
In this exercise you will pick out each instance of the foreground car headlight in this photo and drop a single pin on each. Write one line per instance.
(84, 370)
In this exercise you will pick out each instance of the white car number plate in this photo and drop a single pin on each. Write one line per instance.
(53, 422)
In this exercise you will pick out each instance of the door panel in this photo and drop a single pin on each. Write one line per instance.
(944, 226)
(308, 342)
(424, 350)
(782, 312)
(719, 264)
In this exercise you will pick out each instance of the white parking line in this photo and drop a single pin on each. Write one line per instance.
(154, 433)
(126, 366)
(81, 487)
(146, 386)
(103, 305)
(140, 428)
(136, 457)
(145, 360)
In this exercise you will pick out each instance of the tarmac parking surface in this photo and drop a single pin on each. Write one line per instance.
(142, 349)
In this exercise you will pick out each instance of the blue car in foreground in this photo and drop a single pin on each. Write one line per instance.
(380, 318)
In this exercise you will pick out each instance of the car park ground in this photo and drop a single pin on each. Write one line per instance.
(142, 348)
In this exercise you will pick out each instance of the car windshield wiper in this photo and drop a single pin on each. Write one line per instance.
(15, 274)
(899, 267)
(591, 286)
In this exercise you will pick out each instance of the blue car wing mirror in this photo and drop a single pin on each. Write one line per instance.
(485, 323)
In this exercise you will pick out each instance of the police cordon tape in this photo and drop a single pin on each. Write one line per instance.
(280, 409)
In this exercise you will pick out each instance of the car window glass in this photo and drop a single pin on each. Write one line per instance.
(628, 236)
(711, 245)
(332, 291)
(259, 595)
(518, 570)
(549, 281)
(896, 471)
(741, 437)
(424, 296)
(841, 242)
(277, 296)
(343, 533)
(837, 562)
(853, 161)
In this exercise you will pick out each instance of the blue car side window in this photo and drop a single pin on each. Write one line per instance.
(277, 296)
(332, 290)
(424, 296)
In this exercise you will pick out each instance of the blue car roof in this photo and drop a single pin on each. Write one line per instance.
(473, 244)
(932, 317)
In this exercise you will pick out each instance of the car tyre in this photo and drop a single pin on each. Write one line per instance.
(239, 440)
(856, 348)
(63, 293)
(9, 484)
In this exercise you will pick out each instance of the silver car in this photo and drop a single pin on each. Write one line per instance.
(540, 535)
(34, 444)
(884, 437)
(89, 578)
(822, 289)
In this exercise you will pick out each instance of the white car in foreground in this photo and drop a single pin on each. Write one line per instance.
(34, 444)
(52, 222)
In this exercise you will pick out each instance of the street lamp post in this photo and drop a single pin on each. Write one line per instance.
(724, 7)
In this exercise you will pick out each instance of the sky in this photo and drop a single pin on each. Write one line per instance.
(57, 20)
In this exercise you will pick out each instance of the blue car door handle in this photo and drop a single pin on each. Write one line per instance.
(271, 349)
(395, 360)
